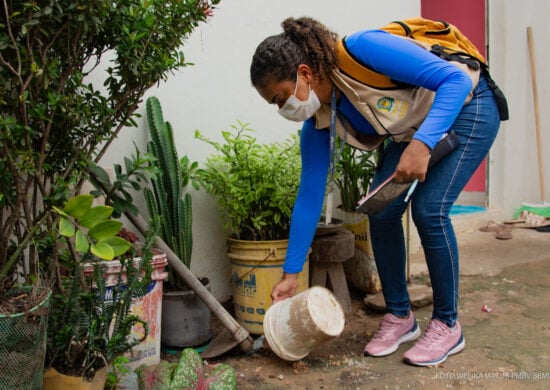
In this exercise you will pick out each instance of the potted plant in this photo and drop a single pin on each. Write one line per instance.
(55, 121)
(354, 172)
(188, 373)
(185, 318)
(136, 174)
(90, 321)
(255, 185)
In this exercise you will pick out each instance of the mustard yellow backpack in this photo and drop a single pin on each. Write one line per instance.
(439, 37)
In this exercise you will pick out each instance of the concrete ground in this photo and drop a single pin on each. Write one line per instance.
(481, 253)
(503, 309)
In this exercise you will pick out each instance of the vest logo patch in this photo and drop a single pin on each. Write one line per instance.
(385, 104)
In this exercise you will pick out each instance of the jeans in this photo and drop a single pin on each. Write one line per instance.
(476, 126)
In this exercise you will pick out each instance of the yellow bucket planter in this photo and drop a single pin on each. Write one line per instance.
(256, 266)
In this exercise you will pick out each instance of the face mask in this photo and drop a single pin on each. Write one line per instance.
(298, 111)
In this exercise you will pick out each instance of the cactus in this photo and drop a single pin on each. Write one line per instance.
(167, 199)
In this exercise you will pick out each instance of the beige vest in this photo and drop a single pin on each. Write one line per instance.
(394, 113)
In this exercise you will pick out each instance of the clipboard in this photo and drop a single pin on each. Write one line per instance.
(380, 197)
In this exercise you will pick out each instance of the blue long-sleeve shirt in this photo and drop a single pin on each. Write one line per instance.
(403, 61)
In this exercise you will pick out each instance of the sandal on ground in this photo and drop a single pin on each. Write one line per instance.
(492, 226)
(503, 235)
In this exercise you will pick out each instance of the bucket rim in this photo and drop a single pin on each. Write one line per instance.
(158, 260)
(257, 242)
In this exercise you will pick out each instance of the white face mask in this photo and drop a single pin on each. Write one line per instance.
(298, 111)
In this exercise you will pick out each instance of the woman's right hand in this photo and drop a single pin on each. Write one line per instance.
(413, 163)
(286, 288)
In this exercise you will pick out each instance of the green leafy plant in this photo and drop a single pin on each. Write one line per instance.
(155, 377)
(167, 199)
(354, 172)
(128, 179)
(188, 374)
(255, 184)
(62, 104)
(118, 370)
(91, 228)
(90, 322)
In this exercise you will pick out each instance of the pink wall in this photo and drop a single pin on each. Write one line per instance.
(469, 17)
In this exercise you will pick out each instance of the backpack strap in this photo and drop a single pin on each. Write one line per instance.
(405, 27)
(355, 69)
(500, 98)
(463, 58)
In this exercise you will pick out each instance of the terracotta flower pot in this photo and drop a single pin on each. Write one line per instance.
(54, 380)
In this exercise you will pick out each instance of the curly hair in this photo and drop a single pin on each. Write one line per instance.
(303, 41)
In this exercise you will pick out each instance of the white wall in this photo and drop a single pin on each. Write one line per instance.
(513, 166)
(216, 92)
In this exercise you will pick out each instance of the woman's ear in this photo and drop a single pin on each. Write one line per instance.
(306, 73)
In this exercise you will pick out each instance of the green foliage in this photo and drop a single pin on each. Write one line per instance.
(118, 370)
(187, 374)
(156, 377)
(167, 200)
(100, 233)
(90, 322)
(255, 184)
(132, 177)
(354, 172)
(54, 122)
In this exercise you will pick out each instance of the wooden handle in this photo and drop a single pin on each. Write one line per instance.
(536, 104)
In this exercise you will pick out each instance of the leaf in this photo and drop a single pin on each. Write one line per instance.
(66, 228)
(79, 205)
(103, 251)
(105, 229)
(155, 377)
(222, 378)
(119, 245)
(81, 242)
(101, 174)
(188, 371)
(60, 212)
(95, 215)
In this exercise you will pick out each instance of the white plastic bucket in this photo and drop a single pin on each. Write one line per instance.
(295, 326)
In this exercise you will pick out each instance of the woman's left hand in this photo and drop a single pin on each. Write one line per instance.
(413, 163)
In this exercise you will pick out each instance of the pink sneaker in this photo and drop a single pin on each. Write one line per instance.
(436, 344)
(392, 332)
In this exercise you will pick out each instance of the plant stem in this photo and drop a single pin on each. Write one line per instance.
(22, 245)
